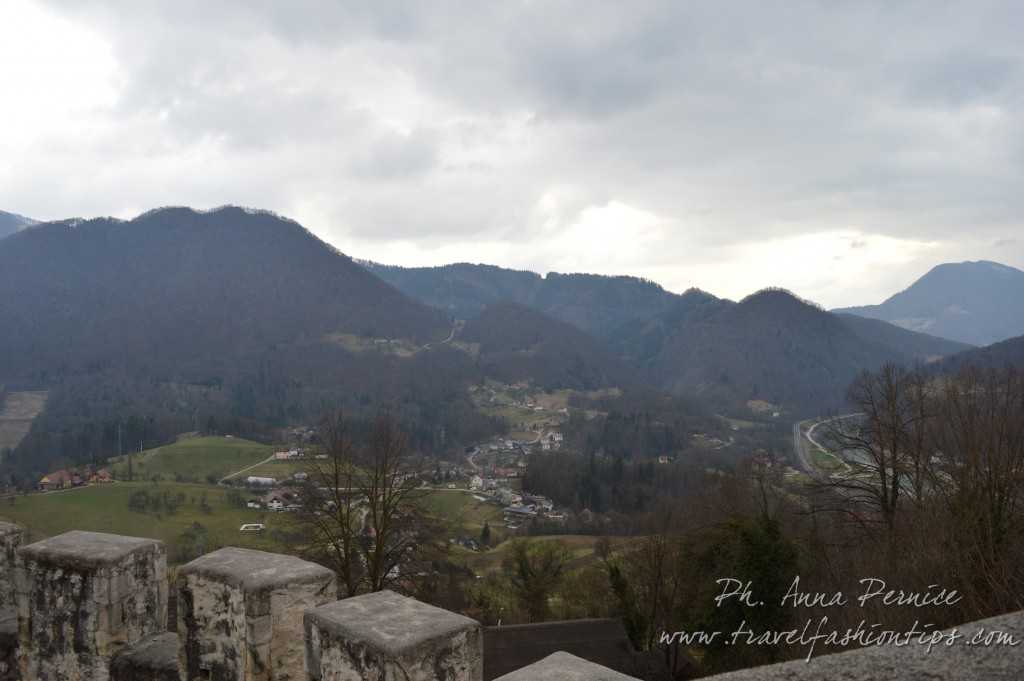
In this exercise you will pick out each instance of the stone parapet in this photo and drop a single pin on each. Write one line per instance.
(11, 537)
(8, 645)
(84, 596)
(152, 659)
(386, 637)
(240, 614)
(92, 607)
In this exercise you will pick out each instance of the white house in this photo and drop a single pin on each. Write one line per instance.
(275, 504)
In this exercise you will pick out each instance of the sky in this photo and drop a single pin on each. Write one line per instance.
(838, 149)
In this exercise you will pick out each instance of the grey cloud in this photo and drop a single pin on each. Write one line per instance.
(734, 122)
(397, 156)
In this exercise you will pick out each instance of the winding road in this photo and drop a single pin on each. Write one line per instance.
(800, 440)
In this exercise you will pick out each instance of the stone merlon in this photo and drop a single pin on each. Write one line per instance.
(387, 636)
(84, 596)
(240, 614)
(11, 537)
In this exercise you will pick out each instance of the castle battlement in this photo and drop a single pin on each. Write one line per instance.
(87, 606)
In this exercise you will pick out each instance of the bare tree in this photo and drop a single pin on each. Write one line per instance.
(331, 509)
(397, 530)
(884, 447)
(360, 507)
(979, 440)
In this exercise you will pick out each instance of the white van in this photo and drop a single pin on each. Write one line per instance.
(252, 527)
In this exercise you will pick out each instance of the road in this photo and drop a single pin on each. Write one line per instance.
(456, 326)
(800, 446)
(810, 431)
(247, 468)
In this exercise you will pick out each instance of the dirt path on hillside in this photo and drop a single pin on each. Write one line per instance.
(17, 412)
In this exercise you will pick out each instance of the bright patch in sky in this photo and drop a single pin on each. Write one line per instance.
(55, 74)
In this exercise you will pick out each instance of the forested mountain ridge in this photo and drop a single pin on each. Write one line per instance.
(244, 321)
(175, 287)
(597, 304)
(972, 302)
(12, 222)
(996, 356)
(517, 343)
(771, 346)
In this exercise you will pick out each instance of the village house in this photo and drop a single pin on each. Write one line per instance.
(101, 476)
(61, 479)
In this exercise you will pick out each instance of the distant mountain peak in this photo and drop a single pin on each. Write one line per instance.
(775, 294)
(977, 302)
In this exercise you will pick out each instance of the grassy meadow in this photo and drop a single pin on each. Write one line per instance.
(104, 508)
(197, 459)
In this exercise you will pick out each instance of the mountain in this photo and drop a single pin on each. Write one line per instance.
(517, 343)
(996, 356)
(972, 302)
(770, 346)
(11, 223)
(598, 305)
(228, 320)
(177, 287)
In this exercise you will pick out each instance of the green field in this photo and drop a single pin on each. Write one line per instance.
(194, 460)
(104, 508)
(462, 512)
(279, 470)
(826, 461)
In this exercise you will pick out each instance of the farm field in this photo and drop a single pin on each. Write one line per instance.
(201, 459)
(462, 512)
(104, 508)
(279, 470)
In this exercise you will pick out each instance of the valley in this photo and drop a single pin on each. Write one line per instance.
(598, 426)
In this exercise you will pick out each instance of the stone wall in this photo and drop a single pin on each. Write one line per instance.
(84, 596)
(387, 636)
(11, 537)
(8, 646)
(92, 607)
(240, 614)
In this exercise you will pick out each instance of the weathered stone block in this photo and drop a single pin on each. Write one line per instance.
(151, 659)
(240, 614)
(11, 537)
(565, 667)
(8, 645)
(386, 637)
(82, 597)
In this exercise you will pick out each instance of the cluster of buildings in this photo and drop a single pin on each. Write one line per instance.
(275, 496)
(527, 506)
(66, 479)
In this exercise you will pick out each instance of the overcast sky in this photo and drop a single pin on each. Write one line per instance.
(839, 149)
